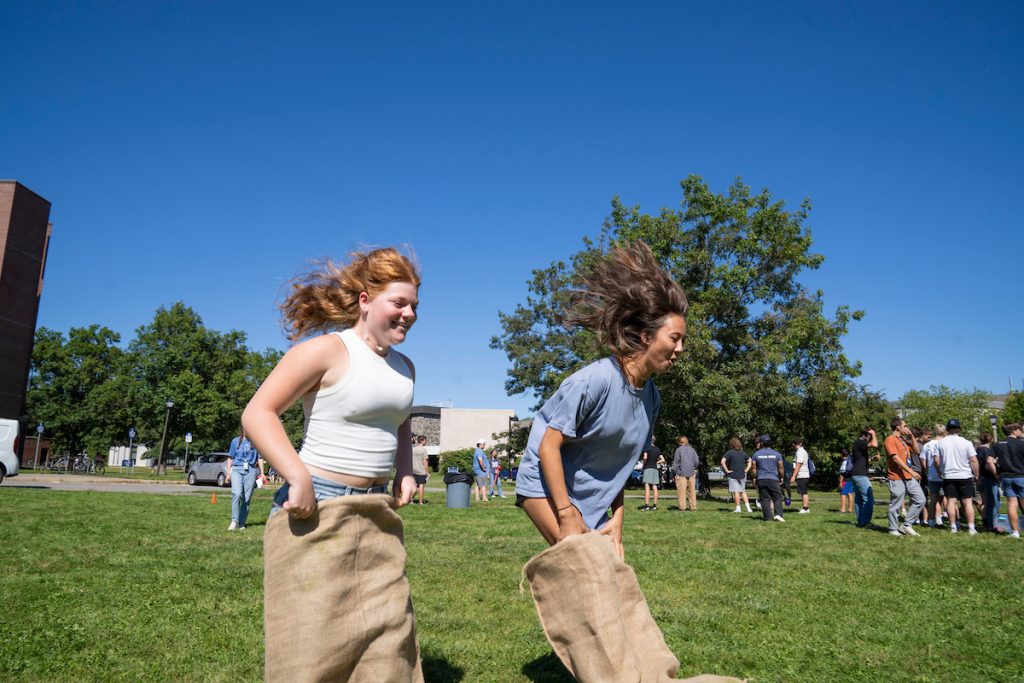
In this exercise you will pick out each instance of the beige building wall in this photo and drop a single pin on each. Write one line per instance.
(460, 428)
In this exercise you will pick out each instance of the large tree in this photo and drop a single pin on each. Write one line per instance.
(761, 353)
(939, 404)
(77, 389)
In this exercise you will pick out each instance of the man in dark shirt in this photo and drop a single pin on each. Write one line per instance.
(652, 477)
(736, 464)
(767, 466)
(864, 495)
(1010, 456)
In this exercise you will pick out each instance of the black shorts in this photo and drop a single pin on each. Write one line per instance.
(958, 488)
(801, 485)
(421, 479)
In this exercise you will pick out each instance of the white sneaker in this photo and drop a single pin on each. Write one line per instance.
(972, 532)
(748, 509)
(909, 530)
(804, 511)
(232, 526)
(778, 518)
(1014, 534)
(953, 530)
(895, 533)
(738, 510)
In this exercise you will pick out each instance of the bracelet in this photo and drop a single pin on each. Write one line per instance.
(566, 507)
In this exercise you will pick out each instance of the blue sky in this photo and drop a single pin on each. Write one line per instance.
(203, 152)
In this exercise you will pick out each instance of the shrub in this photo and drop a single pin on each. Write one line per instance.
(462, 459)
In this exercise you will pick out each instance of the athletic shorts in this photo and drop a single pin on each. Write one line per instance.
(652, 476)
(959, 488)
(847, 487)
(421, 479)
(737, 485)
(482, 479)
(801, 485)
(935, 488)
(1013, 487)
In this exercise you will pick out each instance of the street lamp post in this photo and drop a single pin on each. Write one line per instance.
(160, 468)
(993, 419)
(39, 437)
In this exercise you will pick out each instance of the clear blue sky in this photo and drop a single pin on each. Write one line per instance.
(203, 151)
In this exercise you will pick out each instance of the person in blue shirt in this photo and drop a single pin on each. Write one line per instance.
(768, 467)
(242, 467)
(481, 471)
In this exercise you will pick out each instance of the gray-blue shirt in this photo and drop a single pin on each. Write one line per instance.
(767, 461)
(607, 425)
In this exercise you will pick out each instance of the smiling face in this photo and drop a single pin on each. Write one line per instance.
(389, 315)
(666, 346)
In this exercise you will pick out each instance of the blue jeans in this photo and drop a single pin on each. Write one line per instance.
(242, 486)
(324, 489)
(990, 496)
(496, 483)
(863, 499)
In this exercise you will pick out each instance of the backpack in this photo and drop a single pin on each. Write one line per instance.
(811, 469)
(846, 467)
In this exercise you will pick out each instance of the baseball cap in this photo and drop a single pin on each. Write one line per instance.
(481, 440)
(953, 424)
(765, 440)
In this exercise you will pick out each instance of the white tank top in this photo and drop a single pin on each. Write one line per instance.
(352, 426)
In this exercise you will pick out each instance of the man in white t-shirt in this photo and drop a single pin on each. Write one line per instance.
(801, 474)
(958, 462)
(930, 461)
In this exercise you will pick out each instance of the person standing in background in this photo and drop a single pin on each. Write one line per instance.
(481, 471)
(958, 462)
(768, 468)
(864, 494)
(735, 464)
(652, 477)
(988, 482)
(241, 474)
(419, 465)
(496, 475)
(684, 466)
(801, 475)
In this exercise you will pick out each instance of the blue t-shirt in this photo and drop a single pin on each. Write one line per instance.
(767, 460)
(607, 425)
(479, 455)
(242, 452)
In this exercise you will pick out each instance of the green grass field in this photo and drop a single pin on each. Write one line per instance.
(105, 586)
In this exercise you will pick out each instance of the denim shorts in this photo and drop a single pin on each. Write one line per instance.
(325, 489)
(1013, 487)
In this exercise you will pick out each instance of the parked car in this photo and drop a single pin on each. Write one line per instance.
(9, 465)
(212, 468)
(716, 474)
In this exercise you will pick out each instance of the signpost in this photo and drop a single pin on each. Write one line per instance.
(39, 437)
(188, 440)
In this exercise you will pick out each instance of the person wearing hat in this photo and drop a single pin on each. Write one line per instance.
(767, 466)
(481, 470)
(958, 462)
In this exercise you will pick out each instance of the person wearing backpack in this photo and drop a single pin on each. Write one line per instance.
(845, 482)
(802, 471)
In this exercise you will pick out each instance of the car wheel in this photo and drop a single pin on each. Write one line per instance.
(3, 473)
(192, 478)
(220, 479)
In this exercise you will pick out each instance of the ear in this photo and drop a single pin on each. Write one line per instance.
(364, 301)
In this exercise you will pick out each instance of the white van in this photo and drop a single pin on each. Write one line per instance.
(9, 465)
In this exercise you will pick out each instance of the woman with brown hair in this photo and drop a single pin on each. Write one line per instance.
(337, 603)
(582, 447)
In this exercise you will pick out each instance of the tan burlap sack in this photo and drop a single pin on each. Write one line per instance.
(336, 598)
(596, 617)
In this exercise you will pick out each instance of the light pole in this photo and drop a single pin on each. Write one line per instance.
(131, 446)
(39, 437)
(993, 419)
(163, 439)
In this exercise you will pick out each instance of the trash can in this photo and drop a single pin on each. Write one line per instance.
(458, 486)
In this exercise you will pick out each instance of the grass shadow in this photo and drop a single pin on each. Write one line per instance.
(547, 669)
(440, 670)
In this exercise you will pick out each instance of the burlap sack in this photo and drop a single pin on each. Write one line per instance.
(336, 598)
(596, 617)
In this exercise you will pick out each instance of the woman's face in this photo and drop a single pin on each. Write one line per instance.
(666, 346)
(390, 314)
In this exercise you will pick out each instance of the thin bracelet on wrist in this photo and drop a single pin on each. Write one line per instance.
(565, 508)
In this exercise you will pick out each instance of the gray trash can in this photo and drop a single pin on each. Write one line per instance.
(458, 487)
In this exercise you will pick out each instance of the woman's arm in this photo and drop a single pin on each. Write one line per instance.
(402, 489)
(614, 526)
(570, 521)
(300, 371)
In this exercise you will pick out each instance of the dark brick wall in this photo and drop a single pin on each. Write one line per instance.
(24, 238)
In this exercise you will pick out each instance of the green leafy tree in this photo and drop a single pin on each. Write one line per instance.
(939, 404)
(1013, 411)
(76, 388)
(761, 353)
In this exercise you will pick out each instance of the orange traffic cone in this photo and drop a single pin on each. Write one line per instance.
(213, 499)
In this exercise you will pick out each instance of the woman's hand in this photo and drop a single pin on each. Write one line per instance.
(403, 489)
(301, 500)
(613, 530)
(570, 522)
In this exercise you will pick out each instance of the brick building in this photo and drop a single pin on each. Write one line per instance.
(24, 239)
